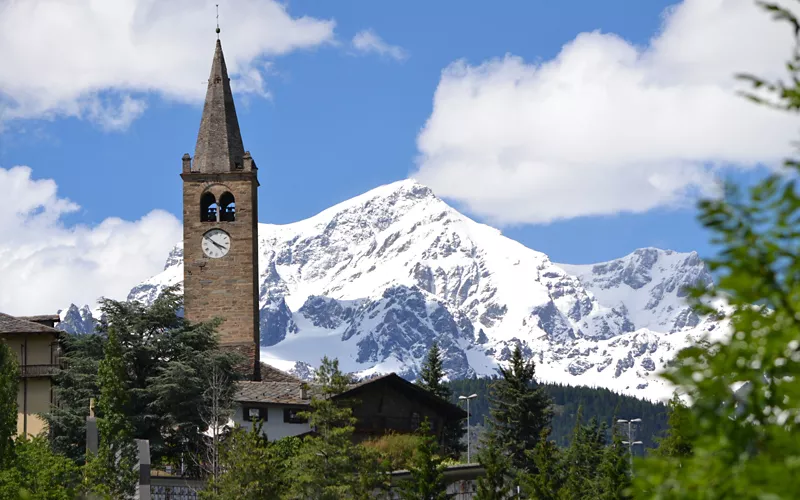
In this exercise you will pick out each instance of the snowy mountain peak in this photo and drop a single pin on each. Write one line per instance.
(377, 279)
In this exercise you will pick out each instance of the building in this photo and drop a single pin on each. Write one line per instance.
(381, 405)
(220, 224)
(35, 340)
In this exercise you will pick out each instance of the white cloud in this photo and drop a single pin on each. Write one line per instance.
(368, 42)
(45, 264)
(606, 127)
(89, 59)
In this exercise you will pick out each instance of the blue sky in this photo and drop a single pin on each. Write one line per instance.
(338, 121)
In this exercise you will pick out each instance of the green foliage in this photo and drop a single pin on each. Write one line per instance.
(253, 468)
(396, 450)
(583, 458)
(520, 410)
(432, 378)
(110, 472)
(495, 484)
(614, 472)
(40, 473)
(596, 402)
(75, 385)
(546, 484)
(165, 360)
(677, 441)
(9, 384)
(329, 465)
(426, 481)
(745, 443)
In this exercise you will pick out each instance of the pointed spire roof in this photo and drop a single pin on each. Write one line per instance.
(219, 142)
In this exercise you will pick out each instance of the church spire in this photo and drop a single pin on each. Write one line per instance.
(219, 142)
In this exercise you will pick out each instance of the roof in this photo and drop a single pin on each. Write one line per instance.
(43, 319)
(219, 142)
(271, 374)
(10, 324)
(289, 393)
(414, 391)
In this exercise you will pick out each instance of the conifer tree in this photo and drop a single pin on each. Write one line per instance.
(614, 472)
(9, 383)
(111, 472)
(427, 470)
(549, 478)
(494, 484)
(251, 468)
(677, 442)
(166, 360)
(583, 458)
(432, 378)
(431, 375)
(329, 465)
(520, 410)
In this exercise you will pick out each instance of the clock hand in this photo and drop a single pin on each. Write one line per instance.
(218, 245)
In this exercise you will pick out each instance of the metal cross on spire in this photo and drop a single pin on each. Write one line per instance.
(217, 21)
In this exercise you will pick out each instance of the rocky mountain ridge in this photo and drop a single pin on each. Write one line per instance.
(376, 279)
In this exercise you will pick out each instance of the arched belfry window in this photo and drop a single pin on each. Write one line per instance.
(208, 208)
(227, 207)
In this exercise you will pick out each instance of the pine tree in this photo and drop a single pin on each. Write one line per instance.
(549, 478)
(520, 410)
(9, 383)
(677, 442)
(614, 471)
(251, 468)
(329, 465)
(431, 375)
(494, 484)
(432, 378)
(426, 480)
(583, 458)
(111, 472)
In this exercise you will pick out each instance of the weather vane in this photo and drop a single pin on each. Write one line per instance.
(217, 21)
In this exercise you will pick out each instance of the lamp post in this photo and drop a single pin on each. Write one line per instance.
(630, 442)
(467, 398)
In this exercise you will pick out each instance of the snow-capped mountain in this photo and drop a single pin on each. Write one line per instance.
(376, 279)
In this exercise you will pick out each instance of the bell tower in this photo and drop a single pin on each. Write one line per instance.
(220, 224)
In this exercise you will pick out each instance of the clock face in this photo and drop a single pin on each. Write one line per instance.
(216, 243)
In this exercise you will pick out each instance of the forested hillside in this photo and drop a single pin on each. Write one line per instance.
(601, 403)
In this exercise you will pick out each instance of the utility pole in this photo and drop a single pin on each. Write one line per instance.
(469, 438)
(630, 442)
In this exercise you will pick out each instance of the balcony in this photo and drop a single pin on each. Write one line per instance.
(31, 371)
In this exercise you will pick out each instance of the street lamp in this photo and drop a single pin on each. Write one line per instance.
(467, 398)
(630, 442)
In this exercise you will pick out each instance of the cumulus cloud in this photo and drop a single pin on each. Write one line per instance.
(45, 264)
(368, 42)
(98, 60)
(608, 127)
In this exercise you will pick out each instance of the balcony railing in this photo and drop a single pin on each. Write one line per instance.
(29, 371)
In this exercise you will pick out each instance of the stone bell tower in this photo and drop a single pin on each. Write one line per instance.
(220, 224)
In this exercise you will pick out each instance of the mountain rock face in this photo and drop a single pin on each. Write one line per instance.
(374, 281)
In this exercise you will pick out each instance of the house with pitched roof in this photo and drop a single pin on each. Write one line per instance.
(381, 405)
(35, 341)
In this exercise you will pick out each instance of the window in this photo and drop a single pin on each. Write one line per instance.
(290, 416)
(227, 207)
(251, 413)
(208, 208)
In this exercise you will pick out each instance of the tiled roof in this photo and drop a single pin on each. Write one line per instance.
(10, 324)
(271, 374)
(272, 392)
